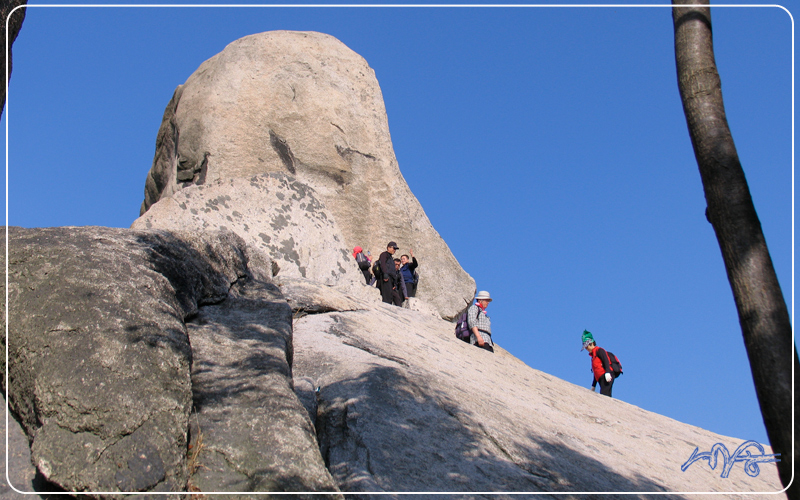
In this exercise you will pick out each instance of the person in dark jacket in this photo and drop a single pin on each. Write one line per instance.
(601, 367)
(390, 278)
(407, 271)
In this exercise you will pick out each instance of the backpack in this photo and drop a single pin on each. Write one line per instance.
(362, 261)
(613, 362)
(462, 328)
(376, 270)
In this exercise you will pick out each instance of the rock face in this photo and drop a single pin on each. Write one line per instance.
(276, 215)
(101, 369)
(305, 105)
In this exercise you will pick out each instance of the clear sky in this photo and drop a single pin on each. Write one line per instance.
(547, 146)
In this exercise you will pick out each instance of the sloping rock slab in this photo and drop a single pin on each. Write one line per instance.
(250, 432)
(99, 357)
(403, 406)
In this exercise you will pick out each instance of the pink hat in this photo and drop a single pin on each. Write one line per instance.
(356, 251)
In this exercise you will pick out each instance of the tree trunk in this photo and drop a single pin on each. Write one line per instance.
(14, 25)
(762, 310)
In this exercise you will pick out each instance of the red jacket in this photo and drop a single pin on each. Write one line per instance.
(600, 362)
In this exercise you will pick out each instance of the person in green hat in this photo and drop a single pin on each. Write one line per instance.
(601, 364)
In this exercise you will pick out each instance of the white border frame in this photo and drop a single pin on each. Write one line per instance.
(493, 6)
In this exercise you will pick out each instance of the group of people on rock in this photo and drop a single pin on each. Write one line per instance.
(396, 278)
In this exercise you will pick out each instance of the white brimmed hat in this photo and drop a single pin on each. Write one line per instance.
(483, 295)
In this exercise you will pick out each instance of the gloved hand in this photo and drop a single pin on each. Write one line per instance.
(608, 377)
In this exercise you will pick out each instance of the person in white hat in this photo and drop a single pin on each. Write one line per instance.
(479, 324)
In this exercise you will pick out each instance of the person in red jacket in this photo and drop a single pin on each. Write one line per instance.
(601, 367)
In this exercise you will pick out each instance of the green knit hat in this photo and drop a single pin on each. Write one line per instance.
(586, 339)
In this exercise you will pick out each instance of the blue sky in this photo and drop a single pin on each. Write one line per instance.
(547, 145)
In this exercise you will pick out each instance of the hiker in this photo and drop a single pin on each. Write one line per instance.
(407, 270)
(390, 278)
(364, 263)
(403, 284)
(601, 365)
(479, 324)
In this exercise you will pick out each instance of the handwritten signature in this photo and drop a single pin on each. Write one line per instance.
(742, 454)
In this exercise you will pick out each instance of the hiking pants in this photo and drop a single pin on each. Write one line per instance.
(605, 387)
(411, 288)
(367, 275)
(389, 293)
(486, 346)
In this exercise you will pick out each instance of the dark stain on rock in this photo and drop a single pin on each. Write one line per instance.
(290, 254)
(284, 151)
(201, 170)
(345, 152)
(279, 222)
(280, 196)
(264, 238)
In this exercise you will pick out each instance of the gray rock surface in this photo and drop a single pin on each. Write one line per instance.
(250, 429)
(21, 472)
(304, 104)
(103, 370)
(111, 413)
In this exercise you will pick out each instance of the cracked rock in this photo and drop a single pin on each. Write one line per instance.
(99, 356)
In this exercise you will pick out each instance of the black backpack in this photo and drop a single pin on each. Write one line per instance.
(613, 362)
(362, 261)
(376, 270)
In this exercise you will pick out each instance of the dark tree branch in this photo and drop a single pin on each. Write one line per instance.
(14, 25)
(763, 315)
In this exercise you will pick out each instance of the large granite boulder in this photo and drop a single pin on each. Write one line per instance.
(104, 373)
(303, 104)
